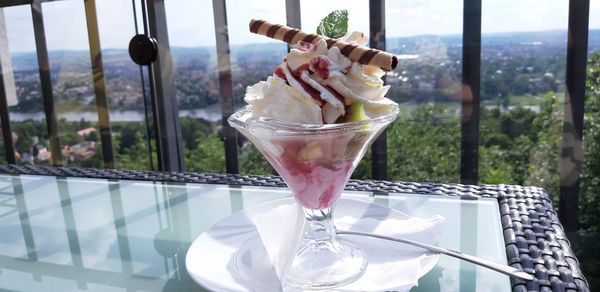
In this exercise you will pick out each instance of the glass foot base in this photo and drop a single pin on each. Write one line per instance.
(326, 264)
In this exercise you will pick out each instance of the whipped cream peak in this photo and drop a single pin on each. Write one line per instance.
(275, 99)
(316, 84)
(356, 37)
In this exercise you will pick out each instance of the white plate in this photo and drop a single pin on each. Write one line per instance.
(211, 259)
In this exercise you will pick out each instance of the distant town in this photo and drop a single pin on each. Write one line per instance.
(516, 69)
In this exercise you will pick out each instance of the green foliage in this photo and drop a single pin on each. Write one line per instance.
(27, 130)
(590, 187)
(424, 147)
(363, 169)
(94, 161)
(192, 131)
(134, 154)
(334, 25)
(253, 162)
(495, 166)
(70, 138)
(208, 156)
(93, 136)
(516, 122)
(543, 162)
(130, 136)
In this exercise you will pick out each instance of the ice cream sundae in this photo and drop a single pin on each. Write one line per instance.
(315, 85)
(313, 119)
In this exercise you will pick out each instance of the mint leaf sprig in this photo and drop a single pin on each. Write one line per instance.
(334, 25)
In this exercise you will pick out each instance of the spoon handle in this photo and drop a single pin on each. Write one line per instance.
(504, 269)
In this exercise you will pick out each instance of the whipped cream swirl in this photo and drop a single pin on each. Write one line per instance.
(316, 85)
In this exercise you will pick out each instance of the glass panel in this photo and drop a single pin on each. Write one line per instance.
(192, 40)
(8, 83)
(95, 224)
(73, 89)
(157, 222)
(27, 117)
(253, 58)
(522, 92)
(41, 197)
(10, 202)
(72, 83)
(140, 215)
(590, 205)
(424, 143)
(476, 229)
(143, 232)
(124, 87)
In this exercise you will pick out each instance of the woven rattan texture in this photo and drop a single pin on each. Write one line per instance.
(534, 238)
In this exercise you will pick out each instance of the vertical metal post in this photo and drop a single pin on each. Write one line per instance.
(162, 86)
(377, 41)
(46, 82)
(99, 83)
(572, 151)
(292, 13)
(147, 99)
(226, 87)
(6, 77)
(469, 122)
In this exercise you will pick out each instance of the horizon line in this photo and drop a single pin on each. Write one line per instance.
(275, 41)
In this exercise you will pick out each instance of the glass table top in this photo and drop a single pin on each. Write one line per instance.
(75, 234)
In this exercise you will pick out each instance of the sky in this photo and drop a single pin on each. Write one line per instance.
(190, 22)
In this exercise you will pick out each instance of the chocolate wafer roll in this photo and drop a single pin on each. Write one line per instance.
(362, 55)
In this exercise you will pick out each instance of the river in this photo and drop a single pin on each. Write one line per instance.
(211, 113)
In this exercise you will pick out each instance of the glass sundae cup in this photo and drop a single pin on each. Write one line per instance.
(316, 161)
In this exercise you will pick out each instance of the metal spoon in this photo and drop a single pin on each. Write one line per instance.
(504, 269)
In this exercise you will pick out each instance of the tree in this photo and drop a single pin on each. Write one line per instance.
(424, 146)
(193, 130)
(209, 156)
(93, 136)
(589, 216)
(253, 162)
(543, 161)
(521, 84)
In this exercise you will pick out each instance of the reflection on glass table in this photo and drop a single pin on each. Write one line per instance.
(66, 234)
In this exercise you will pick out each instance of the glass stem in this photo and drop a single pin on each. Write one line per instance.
(319, 225)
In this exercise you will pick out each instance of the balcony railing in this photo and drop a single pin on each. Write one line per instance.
(165, 114)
